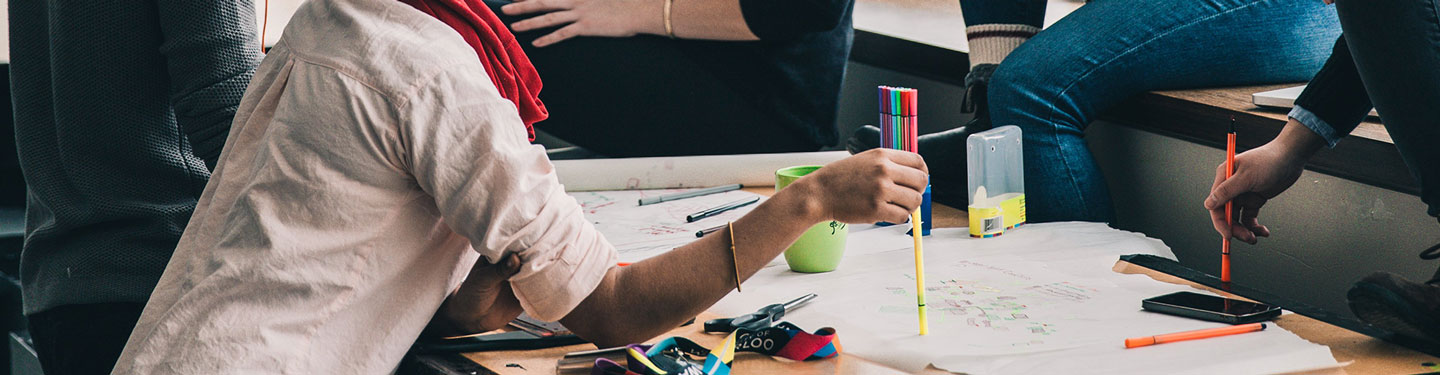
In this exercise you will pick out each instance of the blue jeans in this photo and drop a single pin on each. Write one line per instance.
(1396, 48)
(1110, 50)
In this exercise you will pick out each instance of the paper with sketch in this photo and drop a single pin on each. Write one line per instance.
(1041, 299)
(640, 232)
(683, 171)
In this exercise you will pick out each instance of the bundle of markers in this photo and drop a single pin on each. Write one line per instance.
(898, 121)
(899, 130)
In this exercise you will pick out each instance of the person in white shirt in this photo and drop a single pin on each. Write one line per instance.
(372, 162)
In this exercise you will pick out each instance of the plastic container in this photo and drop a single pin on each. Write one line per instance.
(995, 166)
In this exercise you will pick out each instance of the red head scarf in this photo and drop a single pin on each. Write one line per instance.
(498, 50)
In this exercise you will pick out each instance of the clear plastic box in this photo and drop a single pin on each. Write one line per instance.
(996, 167)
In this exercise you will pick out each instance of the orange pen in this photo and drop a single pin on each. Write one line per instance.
(1229, 171)
(1136, 342)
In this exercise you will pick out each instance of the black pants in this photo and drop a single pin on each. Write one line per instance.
(83, 339)
(643, 96)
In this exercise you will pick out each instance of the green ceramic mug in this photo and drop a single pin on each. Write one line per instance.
(820, 248)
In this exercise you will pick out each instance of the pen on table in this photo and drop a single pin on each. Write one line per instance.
(689, 194)
(709, 230)
(719, 209)
(1229, 171)
(765, 317)
(1136, 342)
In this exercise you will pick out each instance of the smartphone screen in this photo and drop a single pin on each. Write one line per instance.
(1211, 303)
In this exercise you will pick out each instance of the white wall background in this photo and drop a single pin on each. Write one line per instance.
(280, 12)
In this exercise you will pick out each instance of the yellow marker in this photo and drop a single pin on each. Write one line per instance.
(919, 271)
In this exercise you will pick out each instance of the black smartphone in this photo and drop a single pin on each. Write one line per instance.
(1212, 308)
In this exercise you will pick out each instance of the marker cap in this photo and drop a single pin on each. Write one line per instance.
(1136, 342)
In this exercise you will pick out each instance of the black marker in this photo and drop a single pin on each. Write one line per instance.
(709, 230)
(722, 208)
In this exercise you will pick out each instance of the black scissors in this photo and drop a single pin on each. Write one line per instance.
(760, 319)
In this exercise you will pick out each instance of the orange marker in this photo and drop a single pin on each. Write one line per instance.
(1229, 171)
(1136, 342)
(623, 264)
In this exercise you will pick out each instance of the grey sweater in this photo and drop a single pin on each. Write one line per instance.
(119, 108)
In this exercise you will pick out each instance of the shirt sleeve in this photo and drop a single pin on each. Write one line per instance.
(211, 52)
(785, 19)
(468, 149)
(1334, 102)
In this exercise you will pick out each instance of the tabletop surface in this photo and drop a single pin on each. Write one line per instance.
(1370, 356)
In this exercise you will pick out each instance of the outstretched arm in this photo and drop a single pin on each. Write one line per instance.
(647, 298)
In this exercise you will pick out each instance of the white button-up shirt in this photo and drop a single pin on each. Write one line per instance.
(370, 155)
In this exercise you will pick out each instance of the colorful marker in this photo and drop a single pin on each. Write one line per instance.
(720, 209)
(1229, 171)
(689, 194)
(1136, 342)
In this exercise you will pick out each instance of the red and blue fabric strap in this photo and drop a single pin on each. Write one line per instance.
(680, 356)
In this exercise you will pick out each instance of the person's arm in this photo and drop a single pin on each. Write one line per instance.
(650, 297)
(1331, 106)
(737, 20)
(211, 51)
(1334, 102)
(471, 156)
(778, 20)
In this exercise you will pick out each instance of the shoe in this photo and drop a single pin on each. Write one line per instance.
(977, 99)
(1398, 305)
(944, 152)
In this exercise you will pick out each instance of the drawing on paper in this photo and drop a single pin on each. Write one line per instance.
(640, 232)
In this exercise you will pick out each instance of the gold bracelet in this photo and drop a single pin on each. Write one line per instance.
(730, 227)
(668, 30)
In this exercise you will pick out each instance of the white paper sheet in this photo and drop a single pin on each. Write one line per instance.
(640, 232)
(1041, 299)
(683, 171)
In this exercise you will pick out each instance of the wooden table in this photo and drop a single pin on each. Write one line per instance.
(1371, 356)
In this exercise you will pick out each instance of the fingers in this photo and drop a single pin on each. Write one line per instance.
(1217, 214)
(1226, 191)
(535, 6)
(1219, 192)
(1242, 233)
(502, 269)
(1221, 223)
(485, 280)
(904, 158)
(551, 19)
(1249, 206)
(567, 32)
(894, 213)
(505, 309)
(903, 197)
(511, 265)
(912, 178)
(484, 301)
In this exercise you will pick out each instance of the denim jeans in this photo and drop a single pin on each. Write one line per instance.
(1396, 48)
(1110, 50)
